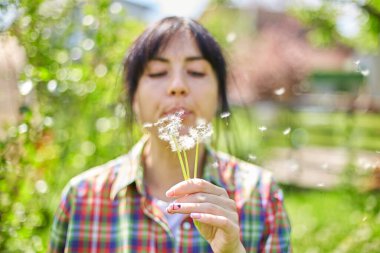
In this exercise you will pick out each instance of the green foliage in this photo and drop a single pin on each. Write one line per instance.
(77, 118)
(322, 23)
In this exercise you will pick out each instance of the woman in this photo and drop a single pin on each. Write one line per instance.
(139, 201)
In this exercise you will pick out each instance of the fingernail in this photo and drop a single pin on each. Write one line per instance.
(170, 193)
(195, 215)
(176, 206)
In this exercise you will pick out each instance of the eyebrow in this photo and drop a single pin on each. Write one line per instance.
(187, 59)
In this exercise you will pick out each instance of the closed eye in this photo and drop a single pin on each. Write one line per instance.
(196, 73)
(158, 74)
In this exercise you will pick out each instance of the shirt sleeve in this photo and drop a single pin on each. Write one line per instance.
(277, 222)
(60, 224)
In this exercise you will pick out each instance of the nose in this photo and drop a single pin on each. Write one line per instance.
(178, 86)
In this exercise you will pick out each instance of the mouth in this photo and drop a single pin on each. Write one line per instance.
(182, 110)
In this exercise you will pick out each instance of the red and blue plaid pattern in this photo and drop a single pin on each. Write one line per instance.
(107, 209)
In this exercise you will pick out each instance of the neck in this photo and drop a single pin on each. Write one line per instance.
(162, 167)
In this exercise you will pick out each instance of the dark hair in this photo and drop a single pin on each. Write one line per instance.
(157, 36)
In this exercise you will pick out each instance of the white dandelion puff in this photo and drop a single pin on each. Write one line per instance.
(186, 142)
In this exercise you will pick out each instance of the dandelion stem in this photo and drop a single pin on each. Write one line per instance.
(179, 157)
(196, 159)
(187, 164)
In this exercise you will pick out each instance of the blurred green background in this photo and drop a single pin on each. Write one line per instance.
(71, 109)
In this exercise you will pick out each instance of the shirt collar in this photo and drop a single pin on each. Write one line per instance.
(131, 169)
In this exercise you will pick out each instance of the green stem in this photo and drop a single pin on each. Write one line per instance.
(197, 223)
(196, 159)
(187, 164)
(179, 157)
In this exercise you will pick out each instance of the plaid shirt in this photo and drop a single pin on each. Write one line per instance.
(107, 209)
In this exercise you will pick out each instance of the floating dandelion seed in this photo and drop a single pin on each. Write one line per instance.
(263, 128)
(287, 131)
(147, 125)
(365, 72)
(359, 67)
(224, 115)
(231, 37)
(252, 157)
(279, 91)
(321, 185)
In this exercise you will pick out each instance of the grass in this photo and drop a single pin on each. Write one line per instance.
(338, 220)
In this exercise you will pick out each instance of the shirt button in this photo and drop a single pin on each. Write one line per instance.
(186, 225)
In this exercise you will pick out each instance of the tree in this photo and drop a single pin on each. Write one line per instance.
(323, 22)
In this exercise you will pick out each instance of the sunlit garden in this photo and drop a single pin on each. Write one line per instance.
(67, 113)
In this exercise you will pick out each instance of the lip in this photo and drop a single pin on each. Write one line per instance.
(173, 110)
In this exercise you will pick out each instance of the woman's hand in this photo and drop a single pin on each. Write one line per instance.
(215, 211)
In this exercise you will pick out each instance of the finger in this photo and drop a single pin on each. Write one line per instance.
(221, 222)
(195, 185)
(206, 208)
(222, 201)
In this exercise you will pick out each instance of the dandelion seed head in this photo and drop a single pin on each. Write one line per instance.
(169, 131)
(193, 133)
(172, 144)
(186, 142)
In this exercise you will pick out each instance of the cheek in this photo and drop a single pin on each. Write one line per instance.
(208, 102)
(145, 104)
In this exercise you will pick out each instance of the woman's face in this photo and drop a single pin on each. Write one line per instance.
(179, 78)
